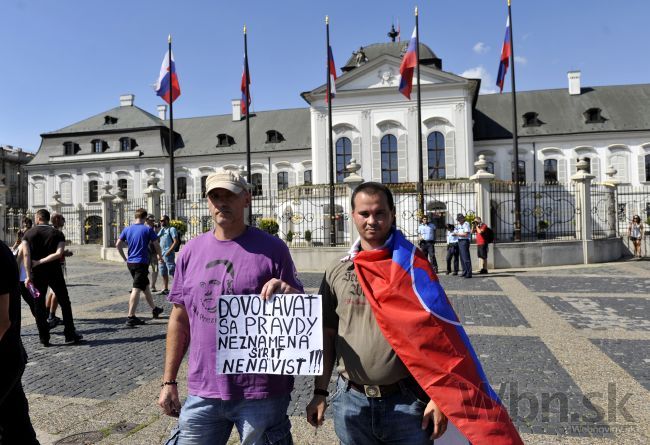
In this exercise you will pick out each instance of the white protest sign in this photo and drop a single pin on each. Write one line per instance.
(282, 335)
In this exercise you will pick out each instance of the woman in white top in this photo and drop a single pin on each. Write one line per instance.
(635, 232)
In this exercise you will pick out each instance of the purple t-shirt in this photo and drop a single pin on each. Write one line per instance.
(207, 268)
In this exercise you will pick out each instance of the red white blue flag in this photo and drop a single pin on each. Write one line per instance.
(419, 323)
(245, 88)
(409, 62)
(506, 52)
(331, 72)
(167, 85)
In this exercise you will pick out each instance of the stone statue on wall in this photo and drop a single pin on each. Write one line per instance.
(360, 56)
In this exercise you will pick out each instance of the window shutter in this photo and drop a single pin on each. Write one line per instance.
(401, 158)
(595, 168)
(274, 183)
(86, 197)
(292, 178)
(450, 155)
(356, 149)
(129, 189)
(376, 160)
(66, 192)
(573, 169)
(561, 171)
(641, 167)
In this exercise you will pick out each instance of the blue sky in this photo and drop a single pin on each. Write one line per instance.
(65, 60)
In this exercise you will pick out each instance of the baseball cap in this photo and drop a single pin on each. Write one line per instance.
(228, 180)
(460, 216)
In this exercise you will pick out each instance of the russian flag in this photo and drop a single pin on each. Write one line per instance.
(245, 82)
(409, 62)
(167, 85)
(419, 323)
(506, 52)
(331, 71)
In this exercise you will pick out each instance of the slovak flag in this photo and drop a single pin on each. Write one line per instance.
(506, 52)
(167, 86)
(245, 81)
(409, 62)
(421, 326)
(331, 71)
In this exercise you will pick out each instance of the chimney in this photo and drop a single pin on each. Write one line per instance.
(126, 100)
(574, 83)
(236, 110)
(162, 112)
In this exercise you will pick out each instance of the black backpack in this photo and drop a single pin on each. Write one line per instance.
(488, 235)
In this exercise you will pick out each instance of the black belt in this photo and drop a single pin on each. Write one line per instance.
(376, 391)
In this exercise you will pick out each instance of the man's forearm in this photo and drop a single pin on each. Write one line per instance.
(27, 260)
(329, 355)
(178, 339)
(51, 257)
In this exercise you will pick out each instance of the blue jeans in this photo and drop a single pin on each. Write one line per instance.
(395, 419)
(210, 421)
(465, 259)
(168, 266)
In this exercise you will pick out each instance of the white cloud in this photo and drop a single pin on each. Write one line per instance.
(488, 85)
(481, 48)
(521, 60)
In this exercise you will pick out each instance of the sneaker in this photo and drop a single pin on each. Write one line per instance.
(74, 338)
(157, 311)
(153, 289)
(164, 292)
(53, 321)
(134, 321)
(482, 271)
(455, 273)
(45, 342)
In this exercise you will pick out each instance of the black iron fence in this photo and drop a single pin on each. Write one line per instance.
(443, 201)
(631, 201)
(548, 211)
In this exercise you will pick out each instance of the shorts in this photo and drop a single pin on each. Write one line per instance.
(634, 239)
(154, 265)
(140, 274)
(168, 266)
(482, 251)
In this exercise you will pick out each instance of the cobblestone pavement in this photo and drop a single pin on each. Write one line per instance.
(567, 349)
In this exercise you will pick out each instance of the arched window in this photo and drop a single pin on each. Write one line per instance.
(490, 167)
(204, 178)
(389, 159)
(39, 193)
(343, 156)
(620, 161)
(647, 168)
(283, 180)
(122, 186)
(66, 191)
(436, 155)
(306, 176)
(70, 148)
(225, 140)
(588, 164)
(274, 137)
(93, 191)
(181, 188)
(550, 171)
(520, 176)
(256, 184)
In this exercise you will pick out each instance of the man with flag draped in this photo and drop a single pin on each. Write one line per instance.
(404, 361)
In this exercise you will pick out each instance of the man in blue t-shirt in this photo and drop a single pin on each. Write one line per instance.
(169, 240)
(138, 236)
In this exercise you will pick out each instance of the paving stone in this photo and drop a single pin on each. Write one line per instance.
(631, 355)
(628, 313)
(606, 283)
(496, 310)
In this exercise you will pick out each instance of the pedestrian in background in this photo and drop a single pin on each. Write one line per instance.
(137, 237)
(169, 241)
(480, 229)
(464, 235)
(427, 235)
(635, 232)
(153, 258)
(452, 249)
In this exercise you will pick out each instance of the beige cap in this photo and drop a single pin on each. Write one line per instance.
(228, 180)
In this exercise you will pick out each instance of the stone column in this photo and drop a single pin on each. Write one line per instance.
(584, 231)
(352, 181)
(612, 185)
(3, 210)
(81, 214)
(482, 180)
(107, 203)
(56, 204)
(152, 193)
(118, 205)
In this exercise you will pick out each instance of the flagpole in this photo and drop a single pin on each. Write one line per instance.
(419, 106)
(515, 142)
(171, 134)
(331, 142)
(248, 128)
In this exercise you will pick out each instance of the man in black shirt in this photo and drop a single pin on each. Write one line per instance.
(15, 425)
(44, 247)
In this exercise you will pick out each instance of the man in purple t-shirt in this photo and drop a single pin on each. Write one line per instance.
(233, 259)
(138, 236)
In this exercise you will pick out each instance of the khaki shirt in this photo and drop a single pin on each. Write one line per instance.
(362, 353)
